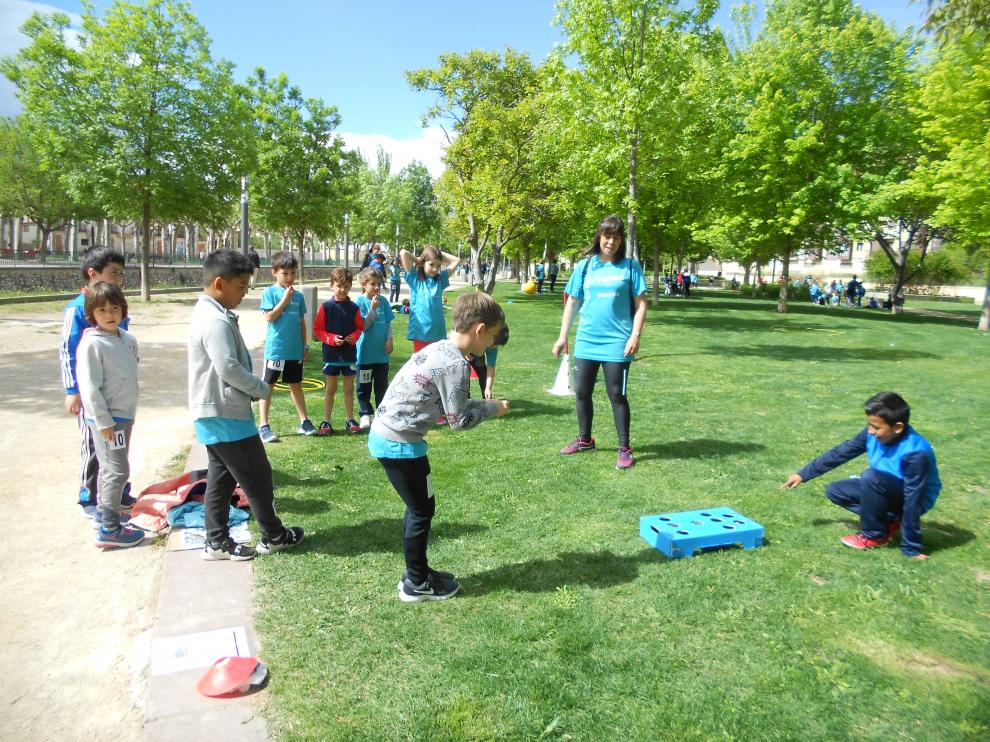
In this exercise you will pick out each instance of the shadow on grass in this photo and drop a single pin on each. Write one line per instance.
(599, 569)
(380, 535)
(529, 408)
(725, 303)
(300, 506)
(799, 353)
(700, 448)
(936, 535)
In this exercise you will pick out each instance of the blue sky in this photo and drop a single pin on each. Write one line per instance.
(353, 54)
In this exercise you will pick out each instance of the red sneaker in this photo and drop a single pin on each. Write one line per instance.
(893, 528)
(859, 541)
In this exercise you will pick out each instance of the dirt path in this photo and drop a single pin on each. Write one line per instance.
(75, 629)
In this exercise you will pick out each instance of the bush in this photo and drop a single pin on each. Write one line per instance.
(772, 291)
(941, 268)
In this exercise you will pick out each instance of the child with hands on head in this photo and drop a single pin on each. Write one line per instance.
(426, 276)
(286, 349)
(108, 387)
(900, 485)
(433, 383)
(338, 325)
(374, 346)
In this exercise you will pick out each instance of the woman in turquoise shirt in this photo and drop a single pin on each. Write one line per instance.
(608, 290)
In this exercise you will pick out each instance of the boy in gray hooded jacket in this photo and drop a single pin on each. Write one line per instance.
(221, 389)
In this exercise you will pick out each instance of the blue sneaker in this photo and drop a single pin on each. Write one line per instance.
(124, 518)
(306, 427)
(121, 538)
(267, 434)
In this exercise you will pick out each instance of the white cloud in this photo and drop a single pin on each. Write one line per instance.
(427, 148)
(13, 13)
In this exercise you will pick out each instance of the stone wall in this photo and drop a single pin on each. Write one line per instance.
(67, 279)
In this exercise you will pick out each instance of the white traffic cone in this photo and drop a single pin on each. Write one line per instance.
(562, 384)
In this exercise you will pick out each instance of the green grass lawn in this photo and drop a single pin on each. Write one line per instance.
(570, 627)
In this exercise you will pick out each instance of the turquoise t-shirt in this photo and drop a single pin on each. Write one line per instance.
(383, 448)
(283, 340)
(371, 344)
(605, 318)
(426, 321)
(210, 430)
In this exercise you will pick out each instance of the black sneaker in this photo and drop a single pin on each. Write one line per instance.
(438, 572)
(229, 549)
(434, 588)
(290, 537)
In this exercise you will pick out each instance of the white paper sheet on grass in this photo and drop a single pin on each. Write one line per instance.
(194, 538)
(202, 649)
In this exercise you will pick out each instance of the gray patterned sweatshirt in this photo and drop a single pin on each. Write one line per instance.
(434, 382)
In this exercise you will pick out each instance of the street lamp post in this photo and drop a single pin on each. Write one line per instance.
(347, 249)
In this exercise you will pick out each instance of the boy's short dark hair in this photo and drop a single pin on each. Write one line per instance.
(285, 259)
(226, 264)
(341, 276)
(98, 258)
(889, 407)
(502, 337)
(477, 306)
(100, 294)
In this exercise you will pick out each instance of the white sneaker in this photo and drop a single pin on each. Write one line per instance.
(365, 422)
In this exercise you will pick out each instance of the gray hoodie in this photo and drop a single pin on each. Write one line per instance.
(221, 383)
(107, 373)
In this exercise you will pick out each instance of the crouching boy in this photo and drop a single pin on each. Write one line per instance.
(900, 485)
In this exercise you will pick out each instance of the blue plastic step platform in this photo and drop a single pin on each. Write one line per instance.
(682, 534)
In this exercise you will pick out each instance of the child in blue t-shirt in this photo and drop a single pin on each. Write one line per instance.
(610, 291)
(900, 485)
(285, 341)
(338, 325)
(541, 275)
(374, 346)
(426, 276)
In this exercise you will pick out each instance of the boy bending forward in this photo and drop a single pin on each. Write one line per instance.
(901, 484)
(433, 383)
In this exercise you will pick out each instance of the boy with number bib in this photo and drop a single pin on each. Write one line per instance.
(285, 341)
(433, 383)
(374, 346)
(107, 359)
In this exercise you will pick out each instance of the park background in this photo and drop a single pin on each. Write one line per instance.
(823, 126)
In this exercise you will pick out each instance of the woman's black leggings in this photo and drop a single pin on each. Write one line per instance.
(616, 378)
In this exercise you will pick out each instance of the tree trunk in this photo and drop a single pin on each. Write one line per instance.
(656, 271)
(73, 239)
(746, 275)
(985, 316)
(302, 257)
(45, 240)
(145, 249)
(633, 168)
(785, 282)
(16, 236)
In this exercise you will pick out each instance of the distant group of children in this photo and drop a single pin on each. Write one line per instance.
(99, 360)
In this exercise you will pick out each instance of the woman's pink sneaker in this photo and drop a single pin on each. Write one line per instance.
(625, 459)
(580, 445)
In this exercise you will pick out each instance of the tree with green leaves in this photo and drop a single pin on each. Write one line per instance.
(136, 116)
(955, 113)
(818, 128)
(305, 180)
(630, 60)
(489, 106)
(28, 188)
